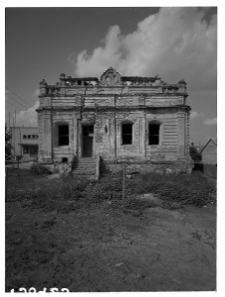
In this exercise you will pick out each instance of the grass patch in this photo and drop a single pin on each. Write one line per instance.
(68, 193)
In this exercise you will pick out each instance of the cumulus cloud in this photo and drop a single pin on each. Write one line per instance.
(210, 121)
(27, 117)
(36, 92)
(175, 43)
(195, 114)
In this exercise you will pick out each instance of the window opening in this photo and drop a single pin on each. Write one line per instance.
(63, 133)
(33, 151)
(126, 133)
(26, 150)
(154, 134)
(88, 130)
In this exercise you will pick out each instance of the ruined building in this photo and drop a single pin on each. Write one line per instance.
(142, 121)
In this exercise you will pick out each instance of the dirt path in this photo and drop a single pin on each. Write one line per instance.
(103, 249)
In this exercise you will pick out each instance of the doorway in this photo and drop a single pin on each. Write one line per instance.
(87, 140)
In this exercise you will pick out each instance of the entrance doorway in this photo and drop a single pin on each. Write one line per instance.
(87, 140)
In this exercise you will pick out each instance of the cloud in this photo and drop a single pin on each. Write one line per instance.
(210, 121)
(195, 114)
(36, 92)
(27, 117)
(175, 43)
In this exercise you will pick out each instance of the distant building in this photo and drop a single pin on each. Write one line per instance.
(25, 142)
(209, 153)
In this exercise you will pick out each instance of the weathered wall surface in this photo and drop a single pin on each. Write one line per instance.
(107, 104)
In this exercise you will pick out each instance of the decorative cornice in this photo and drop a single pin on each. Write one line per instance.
(111, 108)
(110, 78)
(113, 95)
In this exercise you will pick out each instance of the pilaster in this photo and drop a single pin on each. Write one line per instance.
(181, 134)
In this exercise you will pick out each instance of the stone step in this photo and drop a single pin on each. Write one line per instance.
(86, 164)
(85, 167)
(84, 171)
(83, 174)
(88, 177)
(87, 160)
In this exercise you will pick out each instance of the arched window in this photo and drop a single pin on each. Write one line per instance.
(127, 133)
(154, 133)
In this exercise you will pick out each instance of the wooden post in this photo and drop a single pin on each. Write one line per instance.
(18, 165)
(6, 184)
(124, 181)
(14, 140)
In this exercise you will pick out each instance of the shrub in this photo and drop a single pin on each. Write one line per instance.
(39, 169)
(193, 189)
(74, 163)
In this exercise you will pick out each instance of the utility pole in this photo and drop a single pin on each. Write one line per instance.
(14, 135)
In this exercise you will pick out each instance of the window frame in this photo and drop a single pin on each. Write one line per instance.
(154, 123)
(57, 136)
(26, 149)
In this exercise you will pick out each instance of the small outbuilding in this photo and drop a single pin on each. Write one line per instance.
(209, 153)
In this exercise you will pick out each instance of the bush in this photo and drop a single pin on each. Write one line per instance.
(74, 163)
(71, 194)
(193, 189)
(39, 169)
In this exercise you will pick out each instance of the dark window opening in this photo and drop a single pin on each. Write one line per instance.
(64, 160)
(88, 130)
(31, 150)
(126, 133)
(26, 150)
(154, 134)
(63, 135)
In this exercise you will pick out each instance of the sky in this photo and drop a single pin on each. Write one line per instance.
(172, 42)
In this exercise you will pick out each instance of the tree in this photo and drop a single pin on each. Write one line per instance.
(7, 144)
(194, 153)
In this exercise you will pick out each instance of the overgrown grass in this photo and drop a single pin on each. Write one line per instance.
(69, 194)
(194, 189)
(32, 246)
